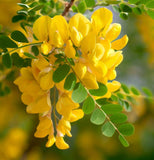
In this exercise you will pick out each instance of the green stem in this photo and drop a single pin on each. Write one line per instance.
(39, 43)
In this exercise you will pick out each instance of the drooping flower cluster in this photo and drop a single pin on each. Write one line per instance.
(95, 54)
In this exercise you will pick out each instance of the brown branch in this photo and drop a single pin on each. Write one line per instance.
(68, 6)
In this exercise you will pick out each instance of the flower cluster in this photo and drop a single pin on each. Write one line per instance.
(91, 46)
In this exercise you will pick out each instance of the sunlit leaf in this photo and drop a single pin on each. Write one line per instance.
(123, 141)
(126, 129)
(79, 93)
(108, 129)
(97, 117)
(112, 108)
(118, 118)
(88, 105)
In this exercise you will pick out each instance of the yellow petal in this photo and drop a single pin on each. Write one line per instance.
(40, 63)
(46, 81)
(76, 36)
(65, 105)
(46, 48)
(113, 31)
(120, 43)
(76, 115)
(114, 59)
(113, 86)
(41, 28)
(58, 33)
(88, 43)
(111, 74)
(44, 123)
(69, 50)
(42, 133)
(26, 98)
(99, 70)
(80, 69)
(40, 105)
(60, 143)
(89, 80)
(81, 23)
(51, 141)
(101, 18)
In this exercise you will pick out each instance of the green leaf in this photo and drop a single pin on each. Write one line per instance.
(120, 95)
(19, 62)
(79, 93)
(90, 3)
(6, 42)
(111, 108)
(126, 129)
(22, 12)
(123, 15)
(23, 5)
(102, 101)
(150, 8)
(101, 91)
(118, 118)
(29, 55)
(125, 88)
(131, 99)
(135, 91)
(97, 117)
(70, 82)
(18, 18)
(88, 105)
(82, 7)
(108, 129)
(127, 106)
(125, 8)
(6, 59)
(147, 92)
(123, 141)
(19, 37)
(133, 1)
(137, 10)
(74, 8)
(60, 73)
(36, 8)
(35, 50)
(116, 8)
(114, 98)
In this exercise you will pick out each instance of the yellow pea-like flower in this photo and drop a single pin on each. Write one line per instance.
(41, 28)
(51, 141)
(40, 105)
(69, 49)
(101, 19)
(46, 81)
(76, 115)
(120, 43)
(60, 143)
(58, 33)
(89, 80)
(79, 27)
(113, 31)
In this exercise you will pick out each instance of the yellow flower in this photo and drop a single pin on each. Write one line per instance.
(79, 27)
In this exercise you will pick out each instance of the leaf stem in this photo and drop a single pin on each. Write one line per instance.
(25, 46)
(67, 8)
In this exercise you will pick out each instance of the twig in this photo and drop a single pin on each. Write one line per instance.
(68, 6)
